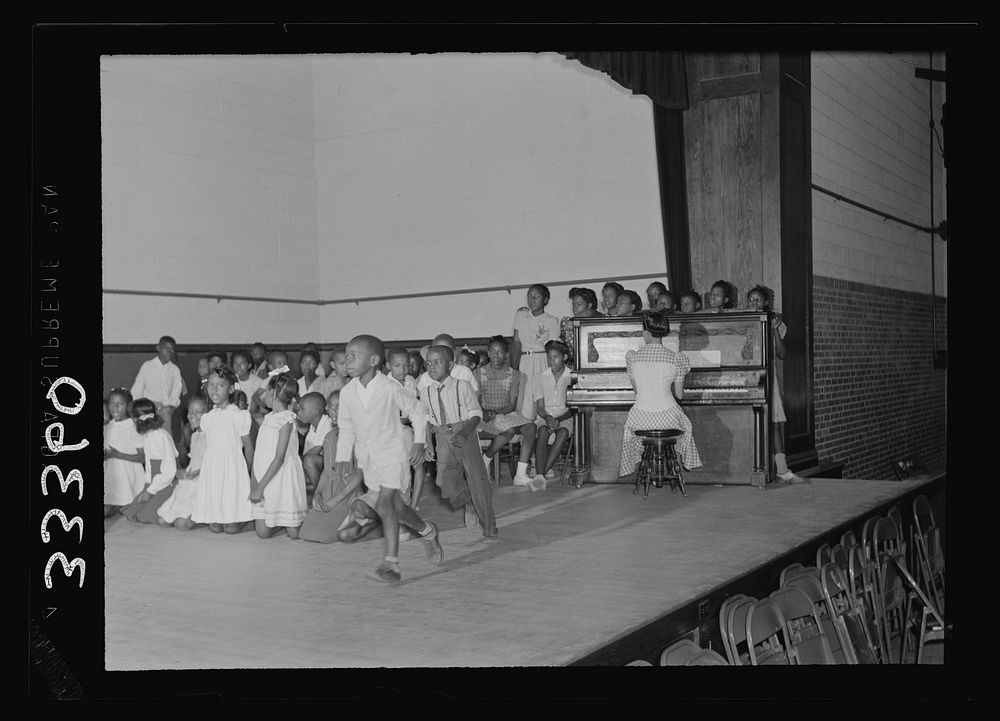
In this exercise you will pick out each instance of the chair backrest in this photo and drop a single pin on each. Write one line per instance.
(679, 653)
(724, 620)
(885, 539)
(866, 535)
(896, 516)
(848, 620)
(823, 555)
(807, 640)
(788, 571)
(848, 539)
(707, 657)
(856, 563)
(766, 635)
(736, 630)
(810, 584)
(923, 514)
(838, 554)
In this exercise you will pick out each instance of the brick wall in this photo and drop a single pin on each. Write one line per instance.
(878, 397)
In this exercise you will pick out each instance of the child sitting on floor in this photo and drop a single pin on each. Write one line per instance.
(331, 503)
(176, 510)
(160, 465)
(312, 413)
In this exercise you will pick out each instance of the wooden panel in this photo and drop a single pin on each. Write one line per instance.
(730, 86)
(720, 65)
(724, 192)
(605, 438)
(724, 437)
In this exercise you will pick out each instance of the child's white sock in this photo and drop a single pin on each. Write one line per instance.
(780, 464)
(522, 468)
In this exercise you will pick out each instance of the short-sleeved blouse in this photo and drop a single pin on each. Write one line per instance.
(654, 368)
(534, 331)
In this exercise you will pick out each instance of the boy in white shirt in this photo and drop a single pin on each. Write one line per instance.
(159, 380)
(455, 414)
(457, 371)
(369, 426)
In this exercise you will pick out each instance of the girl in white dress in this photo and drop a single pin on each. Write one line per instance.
(123, 455)
(177, 509)
(277, 481)
(224, 480)
(160, 466)
(657, 373)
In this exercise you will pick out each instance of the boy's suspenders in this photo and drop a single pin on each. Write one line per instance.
(458, 402)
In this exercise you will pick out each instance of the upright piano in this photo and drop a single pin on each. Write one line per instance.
(727, 394)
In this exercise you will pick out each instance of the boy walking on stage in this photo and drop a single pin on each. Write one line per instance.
(370, 405)
(454, 414)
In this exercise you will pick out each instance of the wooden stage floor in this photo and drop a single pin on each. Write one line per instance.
(574, 570)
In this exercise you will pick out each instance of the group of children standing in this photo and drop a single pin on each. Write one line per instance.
(367, 426)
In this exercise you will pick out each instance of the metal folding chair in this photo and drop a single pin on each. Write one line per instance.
(893, 599)
(679, 653)
(849, 623)
(811, 586)
(766, 635)
(736, 630)
(807, 639)
(928, 551)
(861, 578)
(824, 554)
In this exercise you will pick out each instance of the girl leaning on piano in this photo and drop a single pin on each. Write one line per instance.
(657, 373)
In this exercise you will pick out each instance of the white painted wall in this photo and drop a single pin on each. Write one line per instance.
(461, 171)
(871, 142)
(208, 185)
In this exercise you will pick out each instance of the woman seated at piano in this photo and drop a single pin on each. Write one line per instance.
(657, 374)
(584, 304)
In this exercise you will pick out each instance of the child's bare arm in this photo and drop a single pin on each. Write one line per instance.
(248, 453)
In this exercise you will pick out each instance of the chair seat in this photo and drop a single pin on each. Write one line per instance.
(659, 433)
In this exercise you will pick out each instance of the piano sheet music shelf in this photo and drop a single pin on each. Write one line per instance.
(726, 395)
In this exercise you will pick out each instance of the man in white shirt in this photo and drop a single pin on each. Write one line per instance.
(159, 380)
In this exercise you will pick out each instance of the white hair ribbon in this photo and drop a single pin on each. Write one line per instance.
(145, 416)
(278, 371)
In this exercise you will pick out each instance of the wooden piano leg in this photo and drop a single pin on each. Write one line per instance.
(760, 457)
(580, 473)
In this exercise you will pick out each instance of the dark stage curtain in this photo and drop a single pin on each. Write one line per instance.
(662, 77)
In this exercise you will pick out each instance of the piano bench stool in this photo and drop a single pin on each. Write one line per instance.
(659, 461)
